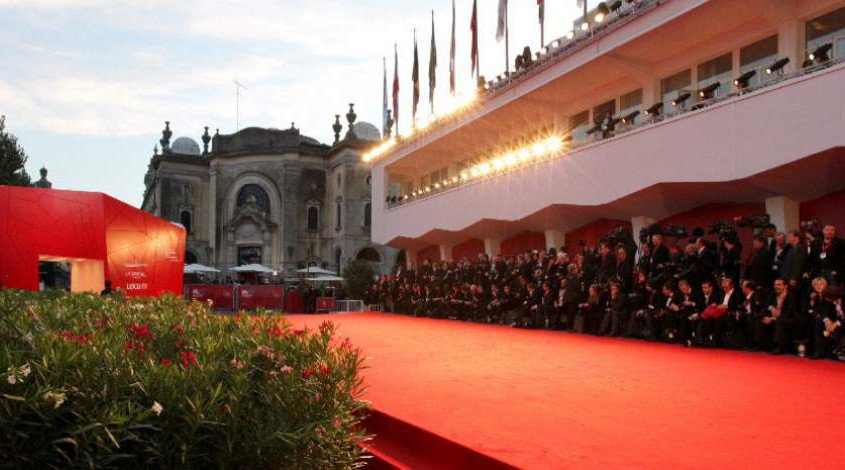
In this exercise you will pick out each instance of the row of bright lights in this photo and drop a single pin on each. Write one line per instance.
(501, 163)
(462, 102)
(456, 105)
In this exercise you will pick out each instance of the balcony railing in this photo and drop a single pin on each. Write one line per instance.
(600, 135)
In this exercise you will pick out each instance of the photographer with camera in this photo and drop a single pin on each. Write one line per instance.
(758, 265)
(827, 256)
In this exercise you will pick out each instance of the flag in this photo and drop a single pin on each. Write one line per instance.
(432, 66)
(503, 20)
(452, 54)
(384, 98)
(473, 26)
(395, 90)
(415, 77)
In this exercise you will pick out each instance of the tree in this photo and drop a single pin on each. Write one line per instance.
(358, 276)
(12, 161)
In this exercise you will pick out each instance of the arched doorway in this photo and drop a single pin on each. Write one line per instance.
(369, 254)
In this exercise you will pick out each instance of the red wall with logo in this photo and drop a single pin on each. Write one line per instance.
(141, 254)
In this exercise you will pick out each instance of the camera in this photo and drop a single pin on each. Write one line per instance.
(675, 231)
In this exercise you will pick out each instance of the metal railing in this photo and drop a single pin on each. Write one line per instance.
(596, 138)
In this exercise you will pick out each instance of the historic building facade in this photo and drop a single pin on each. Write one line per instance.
(269, 196)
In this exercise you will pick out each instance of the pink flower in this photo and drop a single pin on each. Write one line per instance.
(286, 369)
(236, 363)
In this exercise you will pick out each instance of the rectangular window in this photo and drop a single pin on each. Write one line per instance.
(602, 110)
(827, 29)
(757, 57)
(718, 70)
(671, 87)
(630, 102)
(578, 125)
(338, 218)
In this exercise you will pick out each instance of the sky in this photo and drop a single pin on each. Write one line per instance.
(86, 85)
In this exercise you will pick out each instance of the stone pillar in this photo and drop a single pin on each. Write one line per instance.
(212, 213)
(555, 238)
(492, 246)
(783, 212)
(266, 252)
(651, 93)
(792, 42)
(446, 252)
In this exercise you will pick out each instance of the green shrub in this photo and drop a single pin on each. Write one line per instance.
(359, 275)
(107, 382)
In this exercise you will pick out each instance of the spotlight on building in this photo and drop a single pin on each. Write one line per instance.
(777, 66)
(655, 109)
(680, 99)
(821, 54)
(585, 26)
(707, 92)
(602, 12)
(742, 81)
(616, 5)
(629, 118)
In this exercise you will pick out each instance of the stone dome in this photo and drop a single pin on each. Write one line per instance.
(185, 146)
(366, 131)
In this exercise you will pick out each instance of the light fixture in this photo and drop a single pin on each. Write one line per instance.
(742, 81)
(680, 99)
(599, 17)
(777, 66)
(707, 92)
(569, 35)
(821, 53)
(629, 118)
(603, 11)
(585, 26)
(655, 109)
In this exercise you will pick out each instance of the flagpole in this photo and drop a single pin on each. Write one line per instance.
(507, 55)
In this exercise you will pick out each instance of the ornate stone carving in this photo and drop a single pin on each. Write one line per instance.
(350, 118)
(205, 140)
(166, 134)
(337, 127)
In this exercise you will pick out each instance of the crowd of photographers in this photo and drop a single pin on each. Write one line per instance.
(782, 294)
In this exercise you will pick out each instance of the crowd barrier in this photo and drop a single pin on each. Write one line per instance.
(252, 297)
(223, 297)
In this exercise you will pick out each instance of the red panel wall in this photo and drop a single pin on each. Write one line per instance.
(591, 233)
(35, 222)
(142, 254)
(145, 254)
(432, 254)
(525, 241)
(828, 209)
(469, 249)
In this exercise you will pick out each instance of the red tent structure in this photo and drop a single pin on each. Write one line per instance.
(100, 238)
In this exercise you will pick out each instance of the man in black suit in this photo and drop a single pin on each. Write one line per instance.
(828, 256)
(659, 256)
(777, 322)
(793, 268)
(758, 266)
(709, 327)
(779, 251)
(624, 269)
(754, 308)
(607, 266)
(690, 305)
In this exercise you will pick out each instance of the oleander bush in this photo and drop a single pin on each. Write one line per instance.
(111, 382)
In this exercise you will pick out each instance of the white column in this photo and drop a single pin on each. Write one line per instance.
(212, 214)
(410, 259)
(492, 246)
(783, 212)
(446, 252)
(792, 42)
(637, 223)
(555, 238)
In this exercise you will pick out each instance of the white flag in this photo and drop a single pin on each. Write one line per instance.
(503, 20)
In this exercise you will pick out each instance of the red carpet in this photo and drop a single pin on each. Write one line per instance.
(539, 399)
